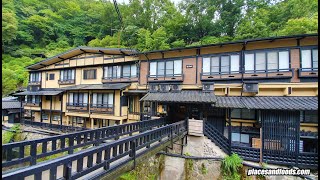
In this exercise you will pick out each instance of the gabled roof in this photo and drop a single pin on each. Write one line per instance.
(185, 96)
(80, 50)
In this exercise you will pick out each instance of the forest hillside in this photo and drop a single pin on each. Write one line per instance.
(35, 29)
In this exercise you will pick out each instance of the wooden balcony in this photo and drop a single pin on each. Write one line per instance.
(263, 74)
(68, 81)
(34, 83)
(308, 72)
(121, 79)
(101, 108)
(77, 107)
(166, 78)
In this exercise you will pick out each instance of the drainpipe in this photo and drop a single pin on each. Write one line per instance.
(242, 65)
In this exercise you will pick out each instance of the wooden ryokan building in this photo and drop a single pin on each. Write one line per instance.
(268, 84)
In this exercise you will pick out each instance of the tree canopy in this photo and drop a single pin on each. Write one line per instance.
(33, 27)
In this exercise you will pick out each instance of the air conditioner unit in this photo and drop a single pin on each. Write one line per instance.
(207, 87)
(175, 87)
(153, 87)
(33, 88)
(164, 87)
(251, 87)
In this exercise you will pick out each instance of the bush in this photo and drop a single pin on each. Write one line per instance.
(231, 166)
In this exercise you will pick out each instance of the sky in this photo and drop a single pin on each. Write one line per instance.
(126, 1)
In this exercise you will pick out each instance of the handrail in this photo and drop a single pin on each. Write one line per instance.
(82, 138)
(54, 126)
(127, 148)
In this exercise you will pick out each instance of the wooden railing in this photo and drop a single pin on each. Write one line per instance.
(70, 142)
(214, 135)
(54, 126)
(107, 158)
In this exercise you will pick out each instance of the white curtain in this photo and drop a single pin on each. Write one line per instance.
(105, 99)
(284, 60)
(206, 65)
(61, 76)
(72, 74)
(249, 62)
(306, 58)
(177, 67)
(225, 64)
(118, 71)
(32, 77)
(85, 98)
(94, 98)
(315, 58)
(105, 72)
(70, 98)
(133, 70)
(153, 68)
(261, 61)
(215, 64)
(272, 60)
(39, 77)
(110, 99)
(235, 60)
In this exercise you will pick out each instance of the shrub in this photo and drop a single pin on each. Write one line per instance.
(231, 166)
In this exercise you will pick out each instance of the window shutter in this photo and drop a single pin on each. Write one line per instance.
(272, 60)
(110, 99)
(225, 64)
(315, 58)
(94, 98)
(215, 64)
(261, 61)
(85, 98)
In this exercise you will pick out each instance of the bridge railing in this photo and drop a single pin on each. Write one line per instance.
(54, 126)
(26, 151)
(102, 156)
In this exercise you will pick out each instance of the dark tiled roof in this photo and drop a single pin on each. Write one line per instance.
(115, 86)
(182, 97)
(49, 93)
(269, 102)
(11, 105)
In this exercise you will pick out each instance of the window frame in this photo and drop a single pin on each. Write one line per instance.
(241, 116)
(219, 55)
(265, 51)
(78, 95)
(303, 117)
(36, 75)
(51, 76)
(311, 48)
(96, 104)
(69, 72)
(85, 75)
(165, 68)
(106, 76)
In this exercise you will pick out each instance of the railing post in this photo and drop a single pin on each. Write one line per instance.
(71, 142)
(133, 152)
(67, 169)
(33, 153)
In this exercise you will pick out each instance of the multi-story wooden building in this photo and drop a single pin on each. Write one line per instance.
(251, 93)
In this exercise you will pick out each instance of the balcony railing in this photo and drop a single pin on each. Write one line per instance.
(66, 81)
(167, 77)
(77, 106)
(308, 72)
(102, 108)
(34, 83)
(120, 79)
(257, 74)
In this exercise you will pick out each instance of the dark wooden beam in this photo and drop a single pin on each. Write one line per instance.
(101, 52)
(122, 52)
(61, 58)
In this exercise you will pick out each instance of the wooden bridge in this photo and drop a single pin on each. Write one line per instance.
(128, 141)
